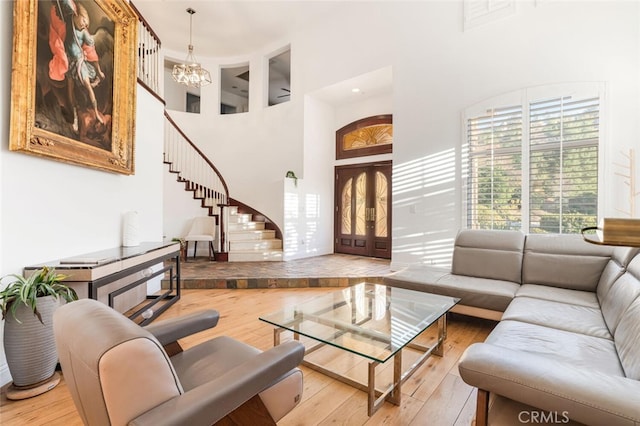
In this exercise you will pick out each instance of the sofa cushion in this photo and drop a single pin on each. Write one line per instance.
(620, 259)
(620, 295)
(488, 254)
(627, 339)
(484, 293)
(477, 292)
(414, 277)
(557, 294)
(565, 261)
(558, 315)
(580, 350)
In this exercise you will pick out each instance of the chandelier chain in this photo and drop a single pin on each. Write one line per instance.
(191, 73)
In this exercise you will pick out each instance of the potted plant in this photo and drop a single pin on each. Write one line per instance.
(291, 174)
(27, 306)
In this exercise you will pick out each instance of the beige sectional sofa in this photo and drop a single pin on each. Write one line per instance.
(567, 347)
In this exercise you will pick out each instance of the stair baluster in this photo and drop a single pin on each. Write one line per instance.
(195, 170)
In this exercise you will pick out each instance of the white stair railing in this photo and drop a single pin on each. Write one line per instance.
(193, 167)
(197, 172)
(149, 67)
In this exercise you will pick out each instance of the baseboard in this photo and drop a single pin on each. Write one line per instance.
(5, 375)
(397, 266)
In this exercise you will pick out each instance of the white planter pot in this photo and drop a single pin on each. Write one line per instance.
(30, 346)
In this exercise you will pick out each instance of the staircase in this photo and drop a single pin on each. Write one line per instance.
(245, 239)
(249, 241)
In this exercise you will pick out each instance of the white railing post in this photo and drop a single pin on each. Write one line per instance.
(203, 179)
(148, 56)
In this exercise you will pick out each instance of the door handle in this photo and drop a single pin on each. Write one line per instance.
(370, 214)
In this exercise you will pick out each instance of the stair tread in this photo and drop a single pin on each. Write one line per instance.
(255, 251)
(264, 239)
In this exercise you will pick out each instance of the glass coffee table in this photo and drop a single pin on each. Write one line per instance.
(373, 321)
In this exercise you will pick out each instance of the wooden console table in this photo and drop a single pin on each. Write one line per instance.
(118, 277)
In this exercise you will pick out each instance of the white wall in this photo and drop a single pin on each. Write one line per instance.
(356, 110)
(438, 71)
(444, 70)
(51, 210)
(252, 150)
(5, 89)
(308, 208)
(179, 209)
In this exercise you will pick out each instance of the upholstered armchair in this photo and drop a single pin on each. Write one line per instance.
(203, 228)
(120, 373)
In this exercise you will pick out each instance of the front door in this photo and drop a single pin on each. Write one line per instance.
(363, 209)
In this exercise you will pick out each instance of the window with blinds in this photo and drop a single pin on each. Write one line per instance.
(563, 140)
(543, 151)
(495, 173)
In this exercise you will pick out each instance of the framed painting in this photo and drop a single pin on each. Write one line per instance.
(367, 136)
(73, 83)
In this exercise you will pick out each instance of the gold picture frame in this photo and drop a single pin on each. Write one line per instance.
(73, 82)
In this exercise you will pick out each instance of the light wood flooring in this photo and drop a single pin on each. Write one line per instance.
(435, 395)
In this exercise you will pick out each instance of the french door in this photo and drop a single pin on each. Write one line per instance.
(363, 209)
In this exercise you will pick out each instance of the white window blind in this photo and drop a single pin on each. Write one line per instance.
(495, 172)
(533, 165)
(564, 164)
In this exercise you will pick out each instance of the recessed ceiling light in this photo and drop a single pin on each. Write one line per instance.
(355, 90)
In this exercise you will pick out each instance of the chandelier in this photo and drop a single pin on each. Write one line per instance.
(190, 73)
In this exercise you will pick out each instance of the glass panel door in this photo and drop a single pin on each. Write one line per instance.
(363, 221)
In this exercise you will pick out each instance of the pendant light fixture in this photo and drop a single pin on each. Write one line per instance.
(190, 73)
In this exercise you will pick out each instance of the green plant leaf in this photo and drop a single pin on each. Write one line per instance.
(43, 282)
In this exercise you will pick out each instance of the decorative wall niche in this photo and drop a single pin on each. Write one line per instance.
(280, 78)
(234, 89)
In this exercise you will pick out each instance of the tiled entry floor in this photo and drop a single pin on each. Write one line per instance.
(332, 270)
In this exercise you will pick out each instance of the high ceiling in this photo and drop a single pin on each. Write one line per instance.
(237, 27)
(229, 28)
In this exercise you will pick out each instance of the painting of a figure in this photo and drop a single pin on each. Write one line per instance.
(73, 82)
(74, 71)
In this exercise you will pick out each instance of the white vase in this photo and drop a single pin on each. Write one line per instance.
(131, 229)
(30, 345)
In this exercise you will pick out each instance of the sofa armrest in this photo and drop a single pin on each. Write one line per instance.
(586, 396)
(208, 403)
(172, 329)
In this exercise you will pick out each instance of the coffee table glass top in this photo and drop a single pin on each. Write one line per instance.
(371, 320)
